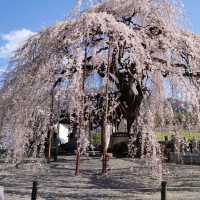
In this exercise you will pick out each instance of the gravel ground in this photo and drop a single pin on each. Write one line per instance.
(126, 180)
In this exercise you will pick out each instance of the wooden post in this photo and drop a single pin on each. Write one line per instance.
(34, 191)
(56, 148)
(163, 190)
(77, 171)
(2, 193)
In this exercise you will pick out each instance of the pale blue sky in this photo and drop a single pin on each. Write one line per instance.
(192, 8)
(21, 18)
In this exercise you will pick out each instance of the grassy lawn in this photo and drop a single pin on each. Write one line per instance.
(160, 136)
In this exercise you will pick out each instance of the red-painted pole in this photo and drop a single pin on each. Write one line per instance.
(77, 171)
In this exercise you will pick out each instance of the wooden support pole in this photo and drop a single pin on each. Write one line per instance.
(34, 191)
(89, 130)
(163, 190)
(2, 193)
(77, 171)
(104, 164)
(104, 151)
(49, 147)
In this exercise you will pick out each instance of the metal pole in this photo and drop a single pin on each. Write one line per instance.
(163, 190)
(34, 191)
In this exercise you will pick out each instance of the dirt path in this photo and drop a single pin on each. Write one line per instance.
(126, 180)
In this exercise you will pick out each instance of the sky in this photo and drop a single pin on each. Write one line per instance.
(192, 9)
(19, 19)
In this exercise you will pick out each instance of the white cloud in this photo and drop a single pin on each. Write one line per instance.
(2, 71)
(13, 40)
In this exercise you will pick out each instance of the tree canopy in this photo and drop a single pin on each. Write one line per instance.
(131, 46)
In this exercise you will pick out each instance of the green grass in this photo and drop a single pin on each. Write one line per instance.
(160, 136)
(96, 139)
